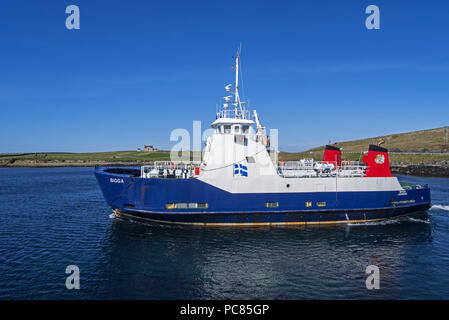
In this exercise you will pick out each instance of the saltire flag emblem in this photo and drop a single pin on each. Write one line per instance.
(240, 170)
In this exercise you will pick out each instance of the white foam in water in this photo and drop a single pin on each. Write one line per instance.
(111, 216)
(389, 221)
(440, 206)
(417, 220)
(375, 223)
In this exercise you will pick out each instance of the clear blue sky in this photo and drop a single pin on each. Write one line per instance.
(136, 70)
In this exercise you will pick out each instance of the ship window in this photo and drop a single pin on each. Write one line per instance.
(227, 129)
(308, 203)
(271, 204)
(245, 129)
(237, 129)
(321, 204)
(186, 205)
(245, 141)
(250, 160)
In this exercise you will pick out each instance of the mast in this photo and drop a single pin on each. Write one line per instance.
(238, 106)
(237, 98)
(239, 109)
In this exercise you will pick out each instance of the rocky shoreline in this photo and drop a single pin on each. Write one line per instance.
(424, 170)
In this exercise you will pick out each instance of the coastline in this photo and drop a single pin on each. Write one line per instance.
(77, 163)
(422, 170)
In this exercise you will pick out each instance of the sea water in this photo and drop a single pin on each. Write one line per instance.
(51, 218)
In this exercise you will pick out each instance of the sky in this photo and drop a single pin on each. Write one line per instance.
(137, 70)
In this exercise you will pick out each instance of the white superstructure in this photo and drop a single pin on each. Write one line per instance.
(237, 159)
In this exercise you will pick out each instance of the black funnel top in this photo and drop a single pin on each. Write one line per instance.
(328, 147)
(373, 147)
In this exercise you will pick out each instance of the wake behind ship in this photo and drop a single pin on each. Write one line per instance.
(240, 182)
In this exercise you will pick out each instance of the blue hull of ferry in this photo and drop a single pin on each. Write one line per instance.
(147, 199)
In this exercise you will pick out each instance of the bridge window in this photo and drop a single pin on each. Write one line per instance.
(227, 129)
(271, 204)
(245, 129)
(236, 129)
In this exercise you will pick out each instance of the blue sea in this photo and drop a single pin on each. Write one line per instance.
(54, 217)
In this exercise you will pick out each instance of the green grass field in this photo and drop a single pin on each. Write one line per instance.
(114, 156)
(424, 141)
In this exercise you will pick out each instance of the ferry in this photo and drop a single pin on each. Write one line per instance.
(240, 181)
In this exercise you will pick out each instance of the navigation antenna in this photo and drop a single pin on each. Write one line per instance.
(237, 104)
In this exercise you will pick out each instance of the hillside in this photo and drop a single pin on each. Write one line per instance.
(410, 147)
(423, 141)
(61, 159)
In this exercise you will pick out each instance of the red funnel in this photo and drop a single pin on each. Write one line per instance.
(378, 162)
(332, 154)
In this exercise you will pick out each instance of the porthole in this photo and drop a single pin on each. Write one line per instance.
(288, 185)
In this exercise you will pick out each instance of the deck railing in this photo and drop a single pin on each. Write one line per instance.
(171, 169)
(312, 168)
(231, 113)
(288, 169)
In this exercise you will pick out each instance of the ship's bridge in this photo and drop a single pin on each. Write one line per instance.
(232, 125)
